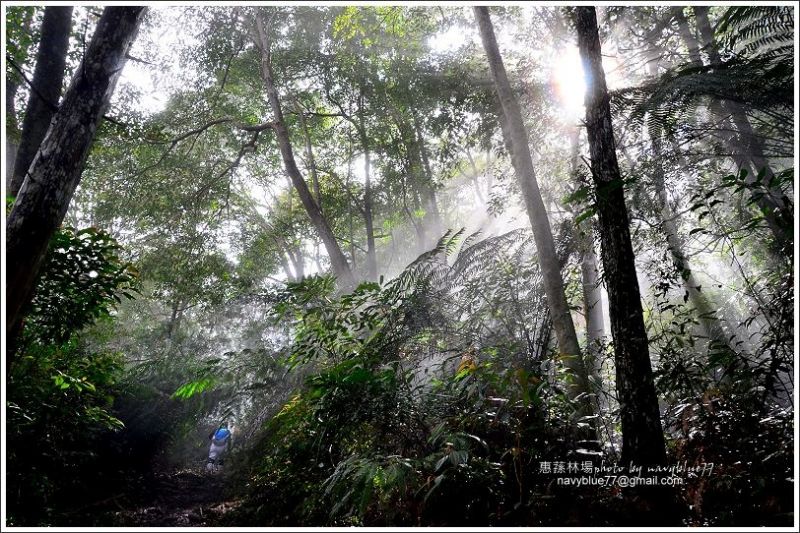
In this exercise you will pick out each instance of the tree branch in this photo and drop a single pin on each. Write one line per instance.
(51, 105)
(315, 114)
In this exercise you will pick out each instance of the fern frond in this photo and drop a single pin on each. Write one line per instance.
(474, 257)
(666, 103)
(753, 30)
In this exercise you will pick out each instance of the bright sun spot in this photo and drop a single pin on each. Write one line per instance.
(448, 40)
(567, 81)
(569, 84)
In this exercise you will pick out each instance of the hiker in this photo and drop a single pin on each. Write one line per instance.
(220, 442)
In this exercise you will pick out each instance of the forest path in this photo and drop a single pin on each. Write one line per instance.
(182, 498)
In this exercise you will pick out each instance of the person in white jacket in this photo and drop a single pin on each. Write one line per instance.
(221, 441)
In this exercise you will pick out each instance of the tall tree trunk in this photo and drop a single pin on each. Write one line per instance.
(432, 213)
(369, 223)
(410, 191)
(338, 260)
(285, 249)
(56, 170)
(676, 247)
(688, 37)
(296, 257)
(517, 139)
(642, 435)
(474, 178)
(352, 237)
(372, 262)
(749, 145)
(367, 209)
(48, 77)
(12, 131)
(312, 163)
(590, 279)
(592, 307)
(675, 244)
(174, 318)
(414, 180)
(290, 275)
(747, 149)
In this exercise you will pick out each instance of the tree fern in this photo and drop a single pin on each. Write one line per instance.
(753, 30)
(671, 101)
(756, 72)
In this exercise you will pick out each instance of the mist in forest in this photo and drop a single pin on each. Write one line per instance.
(399, 266)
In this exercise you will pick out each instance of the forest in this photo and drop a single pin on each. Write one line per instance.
(399, 266)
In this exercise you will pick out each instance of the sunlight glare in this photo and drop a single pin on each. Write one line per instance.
(568, 82)
(449, 40)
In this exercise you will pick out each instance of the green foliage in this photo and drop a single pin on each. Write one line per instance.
(83, 278)
(720, 430)
(187, 390)
(20, 42)
(757, 54)
(753, 220)
(61, 390)
(430, 395)
(389, 435)
(672, 101)
(757, 29)
(59, 410)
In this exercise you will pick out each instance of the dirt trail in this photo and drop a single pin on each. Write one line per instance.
(189, 497)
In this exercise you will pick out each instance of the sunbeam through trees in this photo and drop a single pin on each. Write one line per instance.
(399, 266)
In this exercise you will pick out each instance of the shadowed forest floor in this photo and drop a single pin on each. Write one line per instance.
(430, 266)
(190, 497)
(179, 498)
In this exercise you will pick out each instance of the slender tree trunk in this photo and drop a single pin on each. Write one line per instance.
(352, 236)
(431, 205)
(296, 257)
(174, 318)
(12, 131)
(474, 178)
(709, 322)
(290, 275)
(687, 36)
(421, 188)
(413, 179)
(295, 261)
(285, 253)
(747, 149)
(312, 163)
(372, 262)
(56, 170)
(517, 139)
(419, 228)
(48, 77)
(317, 258)
(590, 279)
(749, 145)
(675, 244)
(367, 210)
(338, 260)
(642, 435)
(592, 308)
(489, 174)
